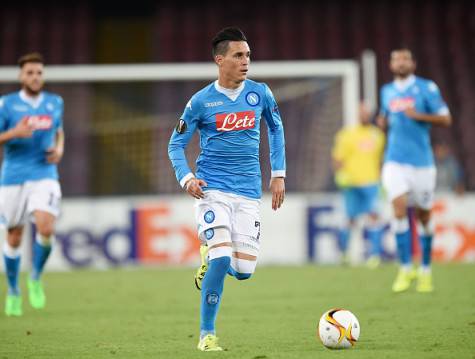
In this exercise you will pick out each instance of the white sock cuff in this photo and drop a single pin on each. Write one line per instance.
(400, 225)
(426, 230)
(45, 241)
(217, 252)
(9, 251)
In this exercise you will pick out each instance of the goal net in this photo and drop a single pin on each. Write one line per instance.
(118, 120)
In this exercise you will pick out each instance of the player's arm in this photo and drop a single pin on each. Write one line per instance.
(180, 138)
(382, 118)
(437, 110)
(275, 130)
(54, 154)
(22, 129)
(382, 122)
(439, 120)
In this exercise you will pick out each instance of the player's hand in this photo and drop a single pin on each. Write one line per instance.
(277, 188)
(194, 187)
(54, 155)
(411, 113)
(23, 129)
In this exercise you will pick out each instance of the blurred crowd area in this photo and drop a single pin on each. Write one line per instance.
(440, 33)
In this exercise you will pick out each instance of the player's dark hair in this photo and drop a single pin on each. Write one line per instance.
(405, 48)
(220, 42)
(34, 57)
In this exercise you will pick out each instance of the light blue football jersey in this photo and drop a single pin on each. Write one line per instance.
(24, 159)
(229, 138)
(409, 140)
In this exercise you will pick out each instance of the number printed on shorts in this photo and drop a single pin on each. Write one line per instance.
(53, 201)
(257, 224)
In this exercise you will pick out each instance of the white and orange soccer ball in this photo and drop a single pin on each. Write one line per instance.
(338, 329)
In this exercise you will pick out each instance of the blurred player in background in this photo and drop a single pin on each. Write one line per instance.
(357, 156)
(33, 143)
(410, 105)
(227, 187)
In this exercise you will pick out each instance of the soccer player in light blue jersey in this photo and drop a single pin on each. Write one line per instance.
(410, 105)
(33, 143)
(227, 184)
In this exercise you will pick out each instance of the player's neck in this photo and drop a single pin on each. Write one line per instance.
(403, 83)
(31, 94)
(228, 83)
(403, 78)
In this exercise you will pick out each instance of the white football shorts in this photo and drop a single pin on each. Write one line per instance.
(18, 202)
(239, 214)
(417, 182)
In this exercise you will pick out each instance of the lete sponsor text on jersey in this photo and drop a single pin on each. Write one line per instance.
(39, 122)
(235, 121)
(401, 104)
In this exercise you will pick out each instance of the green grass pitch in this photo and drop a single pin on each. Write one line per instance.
(154, 313)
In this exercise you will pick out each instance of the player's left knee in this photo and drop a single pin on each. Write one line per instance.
(46, 230)
(372, 221)
(243, 268)
(426, 227)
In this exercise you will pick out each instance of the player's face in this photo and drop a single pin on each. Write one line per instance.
(402, 64)
(365, 115)
(235, 63)
(31, 77)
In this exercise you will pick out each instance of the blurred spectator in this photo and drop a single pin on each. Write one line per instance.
(450, 175)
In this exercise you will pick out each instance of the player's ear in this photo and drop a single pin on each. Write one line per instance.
(219, 59)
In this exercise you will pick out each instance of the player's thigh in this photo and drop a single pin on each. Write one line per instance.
(44, 196)
(395, 179)
(245, 239)
(213, 212)
(246, 228)
(350, 197)
(424, 187)
(13, 205)
(369, 199)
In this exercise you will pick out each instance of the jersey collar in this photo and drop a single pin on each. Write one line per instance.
(230, 93)
(34, 102)
(403, 85)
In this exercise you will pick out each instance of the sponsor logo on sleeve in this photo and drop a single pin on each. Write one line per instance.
(181, 127)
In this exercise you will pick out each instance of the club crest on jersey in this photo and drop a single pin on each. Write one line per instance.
(401, 104)
(253, 99)
(235, 121)
(40, 122)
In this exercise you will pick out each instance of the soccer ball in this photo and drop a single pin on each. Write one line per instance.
(338, 329)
